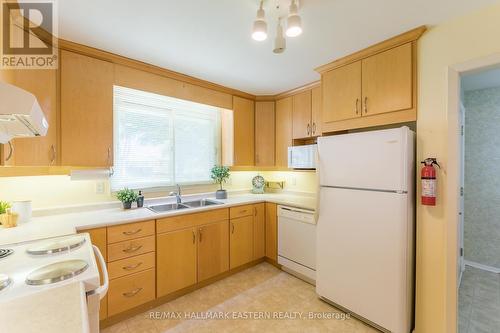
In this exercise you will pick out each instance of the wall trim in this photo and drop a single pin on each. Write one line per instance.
(481, 266)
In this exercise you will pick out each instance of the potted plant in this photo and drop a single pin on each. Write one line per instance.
(126, 196)
(220, 175)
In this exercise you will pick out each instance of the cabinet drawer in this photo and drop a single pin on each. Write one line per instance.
(241, 211)
(130, 291)
(130, 231)
(131, 248)
(190, 220)
(131, 265)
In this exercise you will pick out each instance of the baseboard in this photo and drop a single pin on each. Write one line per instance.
(483, 267)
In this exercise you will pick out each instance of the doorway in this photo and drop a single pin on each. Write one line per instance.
(478, 266)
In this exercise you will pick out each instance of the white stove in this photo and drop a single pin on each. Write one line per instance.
(31, 267)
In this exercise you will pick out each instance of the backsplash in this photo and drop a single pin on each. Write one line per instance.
(51, 191)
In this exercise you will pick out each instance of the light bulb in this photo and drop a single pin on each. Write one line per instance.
(294, 22)
(259, 32)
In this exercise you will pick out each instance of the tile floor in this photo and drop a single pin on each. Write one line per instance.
(479, 302)
(253, 292)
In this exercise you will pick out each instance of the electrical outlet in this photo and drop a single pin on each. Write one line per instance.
(99, 188)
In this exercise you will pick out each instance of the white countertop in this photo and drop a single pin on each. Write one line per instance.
(68, 220)
(56, 310)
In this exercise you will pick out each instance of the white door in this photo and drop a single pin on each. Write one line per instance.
(381, 160)
(365, 255)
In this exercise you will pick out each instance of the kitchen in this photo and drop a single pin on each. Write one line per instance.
(118, 117)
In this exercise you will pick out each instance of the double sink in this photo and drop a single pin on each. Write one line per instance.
(189, 204)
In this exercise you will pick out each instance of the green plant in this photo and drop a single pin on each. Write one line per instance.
(126, 195)
(4, 206)
(220, 174)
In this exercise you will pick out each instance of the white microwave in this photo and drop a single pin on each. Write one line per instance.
(302, 157)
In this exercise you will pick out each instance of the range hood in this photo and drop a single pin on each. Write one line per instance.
(20, 114)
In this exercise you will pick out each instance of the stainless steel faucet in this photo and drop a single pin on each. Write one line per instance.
(177, 194)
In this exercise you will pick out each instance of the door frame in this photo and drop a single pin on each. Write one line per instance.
(453, 179)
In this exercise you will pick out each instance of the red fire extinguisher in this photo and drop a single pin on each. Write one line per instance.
(428, 177)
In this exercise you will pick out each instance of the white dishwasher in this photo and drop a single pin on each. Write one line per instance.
(297, 242)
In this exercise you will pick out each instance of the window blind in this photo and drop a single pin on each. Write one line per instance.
(161, 141)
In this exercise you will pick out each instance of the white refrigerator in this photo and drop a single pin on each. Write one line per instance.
(365, 230)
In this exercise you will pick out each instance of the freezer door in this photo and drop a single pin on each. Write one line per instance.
(381, 160)
(365, 255)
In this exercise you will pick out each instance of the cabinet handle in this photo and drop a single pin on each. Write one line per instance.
(232, 228)
(132, 249)
(357, 103)
(314, 128)
(366, 105)
(254, 211)
(11, 151)
(308, 129)
(194, 237)
(243, 211)
(199, 231)
(54, 155)
(109, 156)
(130, 233)
(132, 293)
(132, 267)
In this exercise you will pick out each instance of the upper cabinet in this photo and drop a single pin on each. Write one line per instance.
(307, 114)
(244, 131)
(302, 127)
(342, 93)
(264, 133)
(86, 111)
(284, 135)
(387, 82)
(373, 87)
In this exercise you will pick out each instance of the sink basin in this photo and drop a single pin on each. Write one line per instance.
(202, 203)
(167, 207)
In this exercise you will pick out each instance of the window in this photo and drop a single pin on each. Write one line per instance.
(161, 141)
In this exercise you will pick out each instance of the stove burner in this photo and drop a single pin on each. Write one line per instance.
(5, 253)
(56, 272)
(4, 281)
(56, 245)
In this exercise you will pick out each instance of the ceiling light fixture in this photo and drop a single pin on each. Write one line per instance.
(279, 41)
(294, 22)
(259, 25)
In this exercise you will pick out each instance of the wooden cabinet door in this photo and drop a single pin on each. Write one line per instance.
(98, 237)
(301, 115)
(86, 111)
(241, 241)
(39, 151)
(244, 131)
(264, 133)
(316, 108)
(259, 231)
(388, 81)
(213, 249)
(175, 261)
(342, 93)
(284, 138)
(271, 231)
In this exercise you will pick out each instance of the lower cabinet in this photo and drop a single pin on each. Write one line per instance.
(259, 231)
(213, 250)
(130, 291)
(271, 231)
(241, 241)
(176, 260)
(191, 255)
